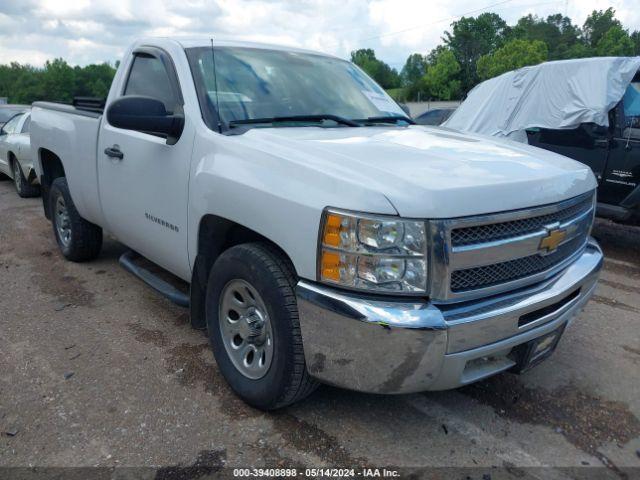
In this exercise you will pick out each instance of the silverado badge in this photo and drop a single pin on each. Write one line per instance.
(554, 237)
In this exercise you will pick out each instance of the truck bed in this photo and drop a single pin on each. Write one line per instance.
(86, 106)
(70, 132)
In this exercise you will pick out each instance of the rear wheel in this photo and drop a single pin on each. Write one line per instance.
(78, 239)
(23, 187)
(252, 320)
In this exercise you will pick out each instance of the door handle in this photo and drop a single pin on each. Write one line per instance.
(113, 152)
(601, 142)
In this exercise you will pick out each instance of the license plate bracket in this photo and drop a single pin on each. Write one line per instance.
(535, 351)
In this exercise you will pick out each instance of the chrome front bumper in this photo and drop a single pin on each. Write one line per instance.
(379, 345)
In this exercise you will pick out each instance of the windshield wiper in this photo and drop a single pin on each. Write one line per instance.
(387, 119)
(295, 118)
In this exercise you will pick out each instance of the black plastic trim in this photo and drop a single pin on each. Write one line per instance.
(163, 288)
(66, 108)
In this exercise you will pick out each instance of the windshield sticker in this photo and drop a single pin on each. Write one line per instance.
(382, 103)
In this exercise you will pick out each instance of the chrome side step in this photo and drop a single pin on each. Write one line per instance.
(163, 288)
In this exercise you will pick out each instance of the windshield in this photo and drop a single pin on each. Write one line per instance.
(7, 113)
(257, 83)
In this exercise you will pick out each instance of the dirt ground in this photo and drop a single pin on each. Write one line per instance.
(98, 370)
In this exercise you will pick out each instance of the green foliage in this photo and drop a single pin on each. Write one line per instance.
(486, 46)
(382, 73)
(579, 50)
(470, 38)
(441, 80)
(514, 54)
(398, 94)
(56, 81)
(598, 24)
(615, 43)
(557, 32)
(635, 38)
(414, 68)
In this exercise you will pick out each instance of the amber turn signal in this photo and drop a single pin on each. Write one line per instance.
(332, 227)
(330, 266)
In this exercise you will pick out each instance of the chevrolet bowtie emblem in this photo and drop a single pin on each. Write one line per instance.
(552, 240)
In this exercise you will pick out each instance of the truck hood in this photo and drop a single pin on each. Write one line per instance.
(430, 172)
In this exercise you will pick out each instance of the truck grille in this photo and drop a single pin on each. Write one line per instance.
(490, 275)
(499, 231)
(489, 254)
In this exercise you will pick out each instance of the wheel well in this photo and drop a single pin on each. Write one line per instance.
(11, 157)
(215, 235)
(52, 168)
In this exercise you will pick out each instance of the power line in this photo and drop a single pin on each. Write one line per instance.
(423, 25)
(458, 16)
(453, 17)
(437, 21)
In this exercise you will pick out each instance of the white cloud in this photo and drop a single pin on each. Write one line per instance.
(86, 31)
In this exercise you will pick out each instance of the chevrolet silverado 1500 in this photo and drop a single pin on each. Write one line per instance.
(325, 237)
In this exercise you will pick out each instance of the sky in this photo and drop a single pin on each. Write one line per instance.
(94, 31)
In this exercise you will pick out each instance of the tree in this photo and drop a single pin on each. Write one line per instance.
(414, 69)
(57, 81)
(615, 43)
(599, 23)
(557, 32)
(635, 38)
(93, 80)
(470, 38)
(20, 83)
(441, 79)
(579, 50)
(513, 55)
(382, 73)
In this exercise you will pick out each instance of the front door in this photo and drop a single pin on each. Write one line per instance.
(622, 175)
(144, 193)
(589, 144)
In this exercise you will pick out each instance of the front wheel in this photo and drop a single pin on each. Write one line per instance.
(253, 326)
(79, 240)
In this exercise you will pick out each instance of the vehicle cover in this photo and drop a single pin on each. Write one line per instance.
(555, 95)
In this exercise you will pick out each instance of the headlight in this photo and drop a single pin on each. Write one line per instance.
(381, 254)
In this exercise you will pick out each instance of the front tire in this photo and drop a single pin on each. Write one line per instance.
(23, 187)
(78, 239)
(252, 321)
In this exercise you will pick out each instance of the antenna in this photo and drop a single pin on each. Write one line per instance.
(215, 85)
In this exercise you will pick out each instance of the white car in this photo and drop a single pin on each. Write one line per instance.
(15, 155)
(324, 236)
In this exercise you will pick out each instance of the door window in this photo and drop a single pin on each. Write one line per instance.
(148, 77)
(631, 106)
(26, 125)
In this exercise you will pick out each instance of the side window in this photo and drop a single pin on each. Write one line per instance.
(26, 124)
(148, 77)
(631, 108)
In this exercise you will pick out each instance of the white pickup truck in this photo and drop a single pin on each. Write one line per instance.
(325, 237)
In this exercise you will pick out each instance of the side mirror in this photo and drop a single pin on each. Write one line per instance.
(145, 114)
